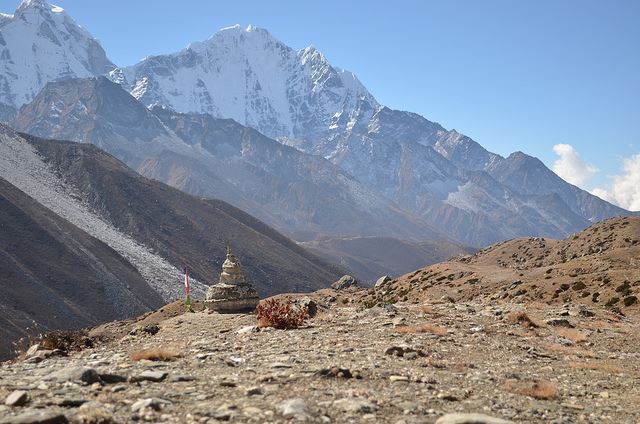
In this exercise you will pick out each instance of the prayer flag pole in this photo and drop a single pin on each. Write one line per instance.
(186, 288)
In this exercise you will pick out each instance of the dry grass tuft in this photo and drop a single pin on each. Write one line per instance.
(568, 350)
(537, 389)
(571, 334)
(461, 368)
(424, 328)
(155, 354)
(597, 366)
(428, 310)
(523, 319)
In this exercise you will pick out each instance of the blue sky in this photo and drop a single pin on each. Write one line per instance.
(513, 75)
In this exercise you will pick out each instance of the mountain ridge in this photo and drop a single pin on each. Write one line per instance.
(441, 178)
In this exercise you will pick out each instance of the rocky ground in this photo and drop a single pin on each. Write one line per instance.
(403, 363)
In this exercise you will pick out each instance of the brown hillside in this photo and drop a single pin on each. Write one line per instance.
(54, 275)
(599, 266)
(183, 228)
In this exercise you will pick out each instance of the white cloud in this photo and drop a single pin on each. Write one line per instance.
(625, 188)
(571, 167)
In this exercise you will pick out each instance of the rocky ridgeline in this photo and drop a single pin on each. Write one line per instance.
(402, 363)
(597, 267)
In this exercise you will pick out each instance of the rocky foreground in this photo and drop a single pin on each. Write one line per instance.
(403, 363)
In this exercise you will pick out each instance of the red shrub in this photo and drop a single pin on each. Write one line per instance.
(280, 314)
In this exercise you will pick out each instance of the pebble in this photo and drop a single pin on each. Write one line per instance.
(17, 398)
(470, 419)
(248, 329)
(154, 376)
(112, 378)
(181, 377)
(355, 405)
(152, 403)
(292, 407)
(253, 391)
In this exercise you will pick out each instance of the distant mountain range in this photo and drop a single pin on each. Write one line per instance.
(285, 136)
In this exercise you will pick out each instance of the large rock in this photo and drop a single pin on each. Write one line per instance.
(382, 281)
(74, 374)
(345, 282)
(36, 417)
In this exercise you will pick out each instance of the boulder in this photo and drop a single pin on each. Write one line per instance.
(74, 374)
(382, 281)
(345, 282)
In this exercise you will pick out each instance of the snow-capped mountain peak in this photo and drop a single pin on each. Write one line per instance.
(39, 43)
(249, 75)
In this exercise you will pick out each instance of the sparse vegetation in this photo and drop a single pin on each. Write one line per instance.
(66, 341)
(522, 319)
(537, 389)
(571, 334)
(280, 314)
(568, 350)
(155, 354)
(597, 366)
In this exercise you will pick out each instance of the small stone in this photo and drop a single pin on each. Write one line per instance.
(470, 419)
(74, 374)
(36, 417)
(410, 355)
(279, 365)
(448, 397)
(309, 305)
(119, 388)
(155, 376)
(403, 351)
(397, 321)
(179, 378)
(447, 299)
(151, 329)
(112, 378)
(17, 398)
(151, 403)
(93, 412)
(248, 329)
(71, 403)
(223, 413)
(337, 372)
(234, 362)
(251, 391)
(560, 323)
(228, 383)
(292, 407)
(604, 395)
(355, 405)
(395, 378)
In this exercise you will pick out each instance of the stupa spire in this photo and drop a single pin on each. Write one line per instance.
(232, 293)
